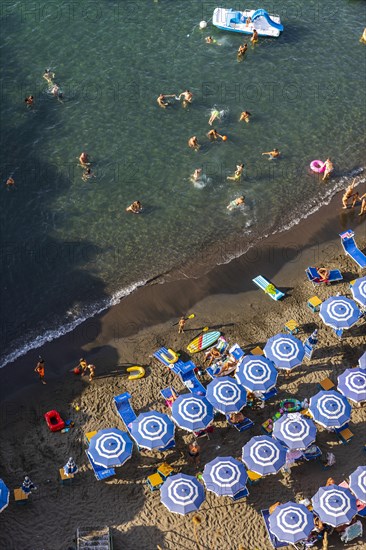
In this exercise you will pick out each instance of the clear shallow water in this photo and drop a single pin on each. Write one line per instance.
(68, 245)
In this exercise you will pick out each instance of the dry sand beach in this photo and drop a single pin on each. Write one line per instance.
(129, 333)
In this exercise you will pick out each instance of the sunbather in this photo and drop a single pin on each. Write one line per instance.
(323, 274)
(237, 417)
(211, 355)
(227, 367)
(170, 400)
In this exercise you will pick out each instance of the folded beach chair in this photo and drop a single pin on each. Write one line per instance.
(241, 494)
(241, 426)
(274, 541)
(190, 381)
(124, 409)
(168, 394)
(312, 274)
(352, 532)
(99, 471)
(350, 247)
(268, 288)
(161, 355)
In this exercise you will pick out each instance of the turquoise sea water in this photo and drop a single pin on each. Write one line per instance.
(68, 246)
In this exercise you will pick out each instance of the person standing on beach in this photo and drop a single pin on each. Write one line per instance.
(363, 204)
(194, 453)
(181, 324)
(40, 370)
(328, 169)
(348, 194)
(91, 372)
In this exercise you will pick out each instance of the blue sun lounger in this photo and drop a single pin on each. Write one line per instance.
(191, 382)
(268, 287)
(241, 426)
(100, 472)
(350, 247)
(124, 409)
(160, 355)
(312, 274)
(274, 540)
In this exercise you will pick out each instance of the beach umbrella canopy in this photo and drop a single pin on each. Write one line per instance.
(286, 351)
(334, 505)
(192, 412)
(295, 431)
(291, 522)
(362, 361)
(358, 290)
(357, 483)
(339, 312)
(182, 494)
(264, 455)
(225, 476)
(330, 409)
(256, 373)
(352, 383)
(110, 447)
(152, 430)
(4, 495)
(226, 395)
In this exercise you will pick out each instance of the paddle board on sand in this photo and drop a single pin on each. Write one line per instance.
(203, 341)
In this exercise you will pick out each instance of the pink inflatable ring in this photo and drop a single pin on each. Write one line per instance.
(317, 166)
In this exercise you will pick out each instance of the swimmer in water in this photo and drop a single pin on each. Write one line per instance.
(49, 76)
(84, 160)
(213, 135)
(29, 101)
(197, 174)
(272, 154)
(210, 40)
(254, 38)
(56, 92)
(187, 97)
(193, 143)
(348, 194)
(238, 173)
(135, 207)
(161, 100)
(328, 169)
(235, 203)
(10, 183)
(242, 50)
(87, 175)
(245, 115)
(214, 115)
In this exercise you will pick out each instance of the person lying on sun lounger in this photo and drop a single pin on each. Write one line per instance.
(211, 355)
(237, 417)
(323, 274)
(227, 367)
(170, 400)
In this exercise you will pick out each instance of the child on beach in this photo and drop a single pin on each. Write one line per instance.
(91, 372)
(40, 370)
(181, 324)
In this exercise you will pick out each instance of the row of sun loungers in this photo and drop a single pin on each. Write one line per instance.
(185, 371)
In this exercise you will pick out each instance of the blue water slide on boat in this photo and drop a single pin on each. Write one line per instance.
(263, 13)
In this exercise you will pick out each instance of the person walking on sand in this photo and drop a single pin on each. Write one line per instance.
(272, 154)
(328, 169)
(348, 194)
(40, 370)
(193, 143)
(194, 453)
(238, 173)
(91, 372)
(181, 324)
(245, 115)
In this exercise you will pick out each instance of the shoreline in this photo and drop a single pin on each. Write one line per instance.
(277, 257)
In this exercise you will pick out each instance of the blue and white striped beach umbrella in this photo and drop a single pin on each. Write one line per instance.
(152, 430)
(339, 312)
(256, 373)
(358, 290)
(357, 483)
(362, 361)
(291, 522)
(225, 395)
(286, 351)
(225, 476)
(352, 383)
(330, 409)
(334, 505)
(192, 412)
(295, 431)
(264, 455)
(110, 447)
(4, 495)
(182, 494)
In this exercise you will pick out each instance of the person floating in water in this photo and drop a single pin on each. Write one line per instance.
(187, 97)
(10, 183)
(135, 207)
(348, 194)
(88, 174)
(254, 37)
(242, 49)
(238, 173)
(84, 160)
(49, 76)
(193, 143)
(328, 169)
(213, 135)
(214, 115)
(210, 40)
(272, 154)
(197, 174)
(245, 116)
(29, 101)
(161, 100)
(235, 203)
(56, 92)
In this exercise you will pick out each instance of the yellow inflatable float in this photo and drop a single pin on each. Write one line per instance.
(138, 371)
(173, 356)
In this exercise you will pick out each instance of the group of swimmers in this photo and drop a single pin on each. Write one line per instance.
(351, 195)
